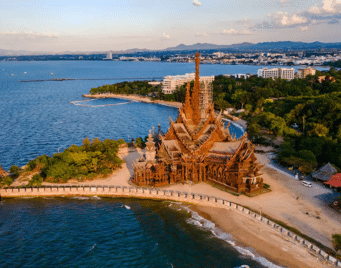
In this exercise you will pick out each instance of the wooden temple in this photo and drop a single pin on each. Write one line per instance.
(198, 148)
(3, 173)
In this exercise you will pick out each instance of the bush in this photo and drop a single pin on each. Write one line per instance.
(14, 169)
(36, 180)
(91, 175)
(266, 186)
(337, 241)
(31, 165)
(106, 171)
(7, 180)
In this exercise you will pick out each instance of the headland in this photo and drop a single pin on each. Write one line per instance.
(133, 98)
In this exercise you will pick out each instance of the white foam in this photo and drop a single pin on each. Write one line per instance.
(92, 248)
(199, 221)
(81, 198)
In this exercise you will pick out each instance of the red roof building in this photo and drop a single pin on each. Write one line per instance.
(335, 181)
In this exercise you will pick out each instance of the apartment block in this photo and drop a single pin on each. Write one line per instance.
(283, 73)
(171, 83)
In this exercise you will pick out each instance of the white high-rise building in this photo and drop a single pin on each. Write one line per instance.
(283, 73)
(170, 83)
(109, 56)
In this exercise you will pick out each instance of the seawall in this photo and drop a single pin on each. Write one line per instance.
(153, 193)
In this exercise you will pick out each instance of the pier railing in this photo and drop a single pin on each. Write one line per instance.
(156, 193)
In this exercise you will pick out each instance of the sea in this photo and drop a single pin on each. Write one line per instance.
(39, 118)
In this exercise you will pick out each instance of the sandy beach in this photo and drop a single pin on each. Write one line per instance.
(134, 98)
(265, 241)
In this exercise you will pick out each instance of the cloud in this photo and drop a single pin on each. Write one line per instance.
(263, 26)
(304, 28)
(284, 19)
(284, 3)
(166, 36)
(197, 3)
(26, 37)
(329, 8)
(236, 32)
(201, 35)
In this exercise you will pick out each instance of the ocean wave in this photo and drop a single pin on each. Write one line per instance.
(201, 222)
(79, 103)
(81, 197)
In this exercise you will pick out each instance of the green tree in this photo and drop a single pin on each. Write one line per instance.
(239, 96)
(317, 129)
(36, 180)
(254, 129)
(14, 170)
(7, 180)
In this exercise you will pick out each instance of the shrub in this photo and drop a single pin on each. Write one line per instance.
(337, 241)
(36, 179)
(266, 186)
(7, 180)
(106, 171)
(31, 165)
(14, 169)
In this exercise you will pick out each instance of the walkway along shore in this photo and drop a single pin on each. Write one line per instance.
(152, 193)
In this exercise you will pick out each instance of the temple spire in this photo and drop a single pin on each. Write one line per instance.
(188, 106)
(196, 92)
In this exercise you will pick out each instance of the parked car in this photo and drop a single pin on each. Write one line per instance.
(307, 183)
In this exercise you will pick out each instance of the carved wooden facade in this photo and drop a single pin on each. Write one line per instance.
(3, 173)
(198, 147)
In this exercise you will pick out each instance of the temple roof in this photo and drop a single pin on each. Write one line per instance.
(3, 173)
(225, 147)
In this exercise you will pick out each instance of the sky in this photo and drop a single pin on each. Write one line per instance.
(76, 26)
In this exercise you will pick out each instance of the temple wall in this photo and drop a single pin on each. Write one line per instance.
(155, 193)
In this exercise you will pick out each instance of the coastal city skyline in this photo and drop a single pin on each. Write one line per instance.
(58, 26)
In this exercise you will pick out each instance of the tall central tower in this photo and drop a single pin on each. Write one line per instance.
(196, 92)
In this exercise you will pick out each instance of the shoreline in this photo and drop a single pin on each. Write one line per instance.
(264, 243)
(253, 230)
(133, 98)
(240, 122)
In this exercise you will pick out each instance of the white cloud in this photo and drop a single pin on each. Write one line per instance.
(328, 7)
(31, 35)
(201, 34)
(284, 1)
(304, 28)
(283, 19)
(7, 38)
(197, 3)
(236, 32)
(166, 36)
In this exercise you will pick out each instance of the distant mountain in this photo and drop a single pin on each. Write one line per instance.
(283, 45)
(5, 52)
(242, 47)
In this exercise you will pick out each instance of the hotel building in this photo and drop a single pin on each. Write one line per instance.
(171, 83)
(303, 73)
(283, 73)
